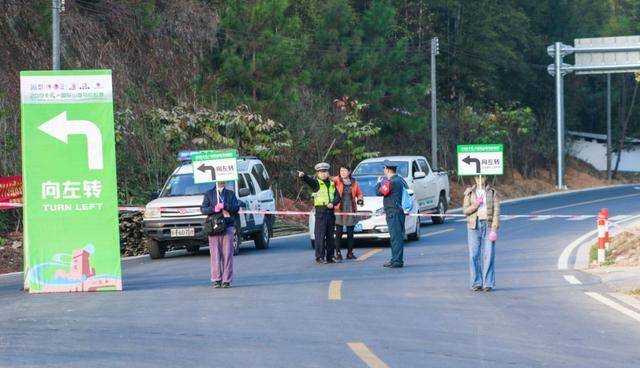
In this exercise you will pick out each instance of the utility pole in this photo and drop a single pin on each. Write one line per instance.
(558, 54)
(609, 126)
(57, 7)
(434, 106)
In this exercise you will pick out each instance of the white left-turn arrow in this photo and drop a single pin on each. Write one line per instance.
(60, 128)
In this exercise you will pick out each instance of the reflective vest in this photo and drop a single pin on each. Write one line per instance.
(325, 194)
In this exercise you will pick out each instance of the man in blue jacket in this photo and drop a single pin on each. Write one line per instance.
(391, 190)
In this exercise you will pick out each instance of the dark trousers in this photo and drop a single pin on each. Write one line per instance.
(324, 231)
(395, 222)
(339, 232)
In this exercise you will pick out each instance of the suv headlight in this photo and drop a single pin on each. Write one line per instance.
(379, 212)
(152, 212)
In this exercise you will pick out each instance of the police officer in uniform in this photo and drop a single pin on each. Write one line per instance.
(325, 198)
(391, 190)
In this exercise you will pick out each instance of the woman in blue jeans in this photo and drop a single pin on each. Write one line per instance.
(481, 206)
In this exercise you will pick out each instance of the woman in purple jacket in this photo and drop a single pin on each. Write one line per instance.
(220, 199)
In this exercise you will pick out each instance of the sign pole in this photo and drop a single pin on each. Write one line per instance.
(55, 34)
(559, 114)
(434, 105)
(609, 126)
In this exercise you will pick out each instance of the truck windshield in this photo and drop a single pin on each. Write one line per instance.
(377, 168)
(183, 185)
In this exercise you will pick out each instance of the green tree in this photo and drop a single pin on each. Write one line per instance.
(260, 58)
(353, 132)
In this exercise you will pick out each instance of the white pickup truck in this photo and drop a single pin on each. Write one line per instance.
(174, 220)
(429, 190)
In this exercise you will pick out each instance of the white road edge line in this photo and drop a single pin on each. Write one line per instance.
(586, 202)
(627, 299)
(563, 260)
(610, 303)
(572, 280)
(432, 233)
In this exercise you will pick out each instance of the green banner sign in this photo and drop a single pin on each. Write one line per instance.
(71, 239)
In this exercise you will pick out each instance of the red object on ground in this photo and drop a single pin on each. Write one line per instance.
(602, 233)
(10, 191)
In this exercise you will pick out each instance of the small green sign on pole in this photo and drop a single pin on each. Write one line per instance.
(214, 166)
(71, 238)
(480, 159)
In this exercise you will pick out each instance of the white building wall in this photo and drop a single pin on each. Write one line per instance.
(596, 154)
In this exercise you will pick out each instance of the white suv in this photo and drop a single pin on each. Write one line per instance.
(429, 190)
(174, 219)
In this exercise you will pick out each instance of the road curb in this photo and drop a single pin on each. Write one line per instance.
(583, 255)
(10, 274)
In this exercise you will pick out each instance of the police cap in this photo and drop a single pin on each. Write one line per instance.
(323, 166)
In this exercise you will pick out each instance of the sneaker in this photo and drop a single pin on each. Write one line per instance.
(350, 255)
(396, 265)
(217, 284)
(488, 289)
(338, 256)
(388, 264)
(319, 260)
(476, 288)
(226, 285)
(330, 260)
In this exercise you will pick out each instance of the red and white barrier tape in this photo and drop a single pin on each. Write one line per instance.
(308, 213)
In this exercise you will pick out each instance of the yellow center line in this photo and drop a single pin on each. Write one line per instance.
(587, 202)
(438, 232)
(367, 356)
(335, 290)
(369, 254)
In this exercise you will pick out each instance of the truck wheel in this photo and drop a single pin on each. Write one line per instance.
(156, 249)
(263, 238)
(442, 209)
(237, 241)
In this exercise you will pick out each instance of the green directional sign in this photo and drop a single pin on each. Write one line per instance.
(214, 166)
(480, 159)
(71, 239)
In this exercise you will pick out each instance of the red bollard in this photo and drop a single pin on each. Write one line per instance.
(603, 216)
(605, 212)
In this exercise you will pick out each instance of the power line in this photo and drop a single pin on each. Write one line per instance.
(295, 43)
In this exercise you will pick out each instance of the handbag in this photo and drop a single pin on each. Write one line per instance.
(215, 224)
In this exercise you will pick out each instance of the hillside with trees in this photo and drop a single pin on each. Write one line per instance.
(293, 81)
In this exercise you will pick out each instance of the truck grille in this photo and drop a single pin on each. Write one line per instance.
(178, 212)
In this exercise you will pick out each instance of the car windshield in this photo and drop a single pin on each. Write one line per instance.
(367, 185)
(183, 185)
(377, 168)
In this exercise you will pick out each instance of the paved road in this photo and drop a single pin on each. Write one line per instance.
(278, 313)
